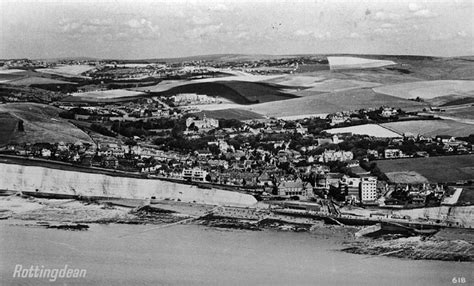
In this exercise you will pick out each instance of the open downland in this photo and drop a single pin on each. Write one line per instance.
(435, 169)
(431, 127)
(428, 89)
(42, 124)
(333, 102)
(240, 92)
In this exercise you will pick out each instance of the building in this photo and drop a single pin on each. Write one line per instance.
(332, 155)
(194, 174)
(368, 189)
(295, 188)
(205, 123)
(393, 153)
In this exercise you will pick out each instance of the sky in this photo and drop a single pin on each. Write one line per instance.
(159, 29)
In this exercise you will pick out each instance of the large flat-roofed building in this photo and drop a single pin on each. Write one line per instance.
(368, 189)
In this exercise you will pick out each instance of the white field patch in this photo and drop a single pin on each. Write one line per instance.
(334, 85)
(336, 63)
(108, 94)
(164, 85)
(366, 129)
(431, 127)
(67, 70)
(299, 81)
(427, 89)
(11, 71)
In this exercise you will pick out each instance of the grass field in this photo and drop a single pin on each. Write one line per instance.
(435, 169)
(232, 113)
(107, 94)
(113, 95)
(336, 63)
(38, 81)
(409, 177)
(67, 70)
(333, 102)
(431, 127)
(42, 124)
(374, 130)
(428, 89)
(466, 112)
(8, 125)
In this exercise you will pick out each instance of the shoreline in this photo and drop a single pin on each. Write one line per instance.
(447, 245)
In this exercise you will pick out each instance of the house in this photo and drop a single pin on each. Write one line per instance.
(373, 153)
(110, 162)
(388, 112)
(194, 174)
(332, 155)
(445, 138)
(45, 153)
(205, 123)
(336, 118)
(393, 153)
(297, 187)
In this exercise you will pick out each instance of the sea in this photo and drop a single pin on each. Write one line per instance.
(123, 254)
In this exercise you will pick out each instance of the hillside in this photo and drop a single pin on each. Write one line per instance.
(241, 92)
(42, 124)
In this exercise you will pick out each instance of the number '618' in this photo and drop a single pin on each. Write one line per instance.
(460, 280)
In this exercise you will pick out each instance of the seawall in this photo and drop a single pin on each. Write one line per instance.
(49, 180)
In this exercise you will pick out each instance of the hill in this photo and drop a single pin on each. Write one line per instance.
(333, 102)
(41, 123)
(241, 92)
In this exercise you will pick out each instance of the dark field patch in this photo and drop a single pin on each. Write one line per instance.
(435, 169)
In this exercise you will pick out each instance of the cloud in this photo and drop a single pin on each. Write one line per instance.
(383, 16)
(462, 34)
(109, 29)
(308, 33)
(387, 25)
(414, 7)
(204, 31)
(219, 7)
(303, 33)
(355, 35)
(425, 13)
(201, 20)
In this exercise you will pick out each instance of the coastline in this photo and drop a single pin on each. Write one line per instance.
(446, 245)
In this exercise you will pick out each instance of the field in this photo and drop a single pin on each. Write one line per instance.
(336, 63)
(335, 85)
(67, 70)
(366, 129)
(435, 169)
(8, 127)
(465, 112)
(431, 127)
(38, 81)
(332, 102)
(231, 113)
(428, 89)
(113, 95)
(42, 124)
(11, 74)
(409, 177)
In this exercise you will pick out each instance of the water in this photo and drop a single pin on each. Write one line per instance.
(198, 255)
